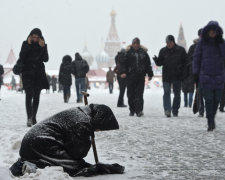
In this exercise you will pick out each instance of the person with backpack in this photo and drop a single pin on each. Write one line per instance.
(80, 68)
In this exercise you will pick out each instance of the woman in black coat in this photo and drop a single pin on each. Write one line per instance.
(65, 76)
(64, 139)
(32, 56)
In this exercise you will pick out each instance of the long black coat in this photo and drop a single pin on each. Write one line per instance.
(65, 71)
(139, 65)
(173, 62)
(188, 85)
(64, 139)
(1, 73)
(33, 56)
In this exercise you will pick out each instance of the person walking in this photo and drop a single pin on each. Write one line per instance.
(135, 66)
(172, 58)
(121, 81)
(208, 66)
(1, 78)
(13, 83)
(110, 78)
(65, 78)
(80, 68)
(49, 82)
(32, 56)
(54, 84)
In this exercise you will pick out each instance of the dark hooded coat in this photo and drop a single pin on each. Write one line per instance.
(209, 58)
(188, 85)
(80, 67)
(65, 71)
(64, 139)
(31, 60)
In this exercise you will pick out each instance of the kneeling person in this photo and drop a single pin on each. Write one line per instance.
(64, 140)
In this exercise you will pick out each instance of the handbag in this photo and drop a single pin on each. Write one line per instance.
(18, 67)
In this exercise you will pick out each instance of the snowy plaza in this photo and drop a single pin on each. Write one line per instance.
(151, 147)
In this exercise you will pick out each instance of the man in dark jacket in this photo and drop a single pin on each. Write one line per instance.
(65, 76)
(172, 58)
(121, 81)
(80, 68)
(32, 56)
(135, 65)
(54, 84)
(209, 60)
(110, 78)
(1, 77)
(64, 139)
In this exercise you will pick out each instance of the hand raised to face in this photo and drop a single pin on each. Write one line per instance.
(41, 42)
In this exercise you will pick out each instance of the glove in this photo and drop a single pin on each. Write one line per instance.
(155, 58)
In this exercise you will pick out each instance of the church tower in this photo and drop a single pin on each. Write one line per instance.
(112, 44)
(181, 39)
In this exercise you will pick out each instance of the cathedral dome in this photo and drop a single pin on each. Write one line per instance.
(87, 56)
(102, 59)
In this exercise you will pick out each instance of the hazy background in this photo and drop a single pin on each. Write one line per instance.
(68, 24)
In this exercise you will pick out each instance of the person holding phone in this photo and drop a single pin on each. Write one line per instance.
(32, 56)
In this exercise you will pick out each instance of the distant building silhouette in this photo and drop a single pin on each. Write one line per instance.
(112, 44)
(181, 39)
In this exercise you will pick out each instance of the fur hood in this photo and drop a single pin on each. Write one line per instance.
(141, 46)
(195, 41)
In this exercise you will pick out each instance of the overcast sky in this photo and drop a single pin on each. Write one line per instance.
(68, 24)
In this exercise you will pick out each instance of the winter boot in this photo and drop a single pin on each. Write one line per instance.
(131, 114)
(140, 114)
(168, 114)
(29, 122)
(34, 121)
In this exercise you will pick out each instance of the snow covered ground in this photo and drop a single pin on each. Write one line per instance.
(152, 147)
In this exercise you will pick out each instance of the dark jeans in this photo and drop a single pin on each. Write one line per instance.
(80, 86)
(66, 91)
(188, 99)
(222, 102)
(110, 88)
(212, 99)
(167, 96)
(32, 102)
(122, 85)
(135, 91)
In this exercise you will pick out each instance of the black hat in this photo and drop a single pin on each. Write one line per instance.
(170, 38)
(136, 40)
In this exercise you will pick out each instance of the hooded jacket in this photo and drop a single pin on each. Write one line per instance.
(65, 71)
(64, 139)
(32, 58)
(136, 62)
(80, 67)
(209, 58)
